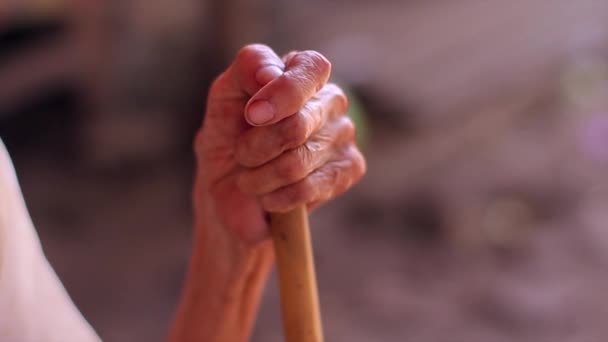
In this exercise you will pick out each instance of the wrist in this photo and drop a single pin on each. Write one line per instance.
(224, 284)
(230, 258)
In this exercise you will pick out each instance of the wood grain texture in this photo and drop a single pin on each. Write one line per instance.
(297, 280)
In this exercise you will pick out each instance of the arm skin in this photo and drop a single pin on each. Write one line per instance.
(223, 289)
(34, 306)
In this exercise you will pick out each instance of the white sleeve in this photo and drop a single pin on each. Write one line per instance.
(34, 305)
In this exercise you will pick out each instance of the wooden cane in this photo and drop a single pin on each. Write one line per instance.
(297, 280)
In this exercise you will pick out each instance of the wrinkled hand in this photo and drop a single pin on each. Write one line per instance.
(275, 137)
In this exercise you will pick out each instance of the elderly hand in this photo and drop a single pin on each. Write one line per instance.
(275, 137)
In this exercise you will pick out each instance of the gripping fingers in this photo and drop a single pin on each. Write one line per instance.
(295, 164)
(254, 66)
(259, 145)
(305, 74)
(327, 182)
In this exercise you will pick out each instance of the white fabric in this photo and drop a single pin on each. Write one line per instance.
(34, 306)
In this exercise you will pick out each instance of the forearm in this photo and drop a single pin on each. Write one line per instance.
(223, 287)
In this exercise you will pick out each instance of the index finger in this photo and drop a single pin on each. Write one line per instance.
(254, 66)
(306, 72)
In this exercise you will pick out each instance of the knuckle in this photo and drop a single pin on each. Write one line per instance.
(334, 89)
(338, 99)
(289, 56)
(316, 66)
(249, 52)
(341, 101)
(337, 179)
(332, 175)
(348, 127)
(322, 64)
(334, 97)
(360, 165)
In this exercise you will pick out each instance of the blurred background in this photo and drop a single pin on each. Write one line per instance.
(484, 216)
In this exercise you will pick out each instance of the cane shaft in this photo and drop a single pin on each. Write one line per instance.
(297, 280)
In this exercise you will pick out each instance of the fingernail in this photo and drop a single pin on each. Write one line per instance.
(260, 112)
(267, 74)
